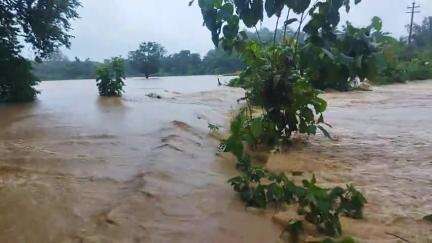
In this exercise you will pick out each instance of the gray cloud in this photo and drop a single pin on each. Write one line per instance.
(114, 27)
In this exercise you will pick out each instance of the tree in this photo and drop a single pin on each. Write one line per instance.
(147, 59)
(278, 85)
(182, 63)
(218, 61)
(110, 76)
(40, 23)
(422, 34)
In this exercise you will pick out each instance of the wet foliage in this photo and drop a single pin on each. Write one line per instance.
(21, 22)
(280, 80)
(399, 62)
(147, 58)
(260, 188)
(322, 207)
(328, 57)
(277, 77)
(110, 76)
(274, 83)
(16, 80)
(351, 54)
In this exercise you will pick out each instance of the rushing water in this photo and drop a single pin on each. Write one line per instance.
(78, 167)
(384, 147)
(75, 167)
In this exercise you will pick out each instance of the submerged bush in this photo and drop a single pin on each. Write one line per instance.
(110, 76)
(322, 207)
(274, 84)
(260, 188)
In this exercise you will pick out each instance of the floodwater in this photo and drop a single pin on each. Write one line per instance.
(75, 167)
(384, 147)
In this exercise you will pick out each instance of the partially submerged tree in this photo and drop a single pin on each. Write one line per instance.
(147, 59)
(110, 76)
(277, 82)
(42, 24)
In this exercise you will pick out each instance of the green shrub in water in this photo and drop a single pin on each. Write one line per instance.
(110, 76)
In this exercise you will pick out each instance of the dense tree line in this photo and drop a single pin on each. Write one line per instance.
(149, 59)
(58, 66)
(398, 62)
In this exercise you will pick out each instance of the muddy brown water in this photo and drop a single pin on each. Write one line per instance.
(75, 167)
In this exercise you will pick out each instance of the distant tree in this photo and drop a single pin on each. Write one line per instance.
(422, 33)
(218, 61)
(110, 76)
(182, 63)
(147, 59)
(40, 23)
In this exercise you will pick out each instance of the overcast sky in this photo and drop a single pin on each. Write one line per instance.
(114, 27)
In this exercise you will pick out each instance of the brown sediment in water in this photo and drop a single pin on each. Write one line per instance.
(136, 169)
(78, 168)
(383, 147)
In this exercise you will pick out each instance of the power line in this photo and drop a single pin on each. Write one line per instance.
(413, 10)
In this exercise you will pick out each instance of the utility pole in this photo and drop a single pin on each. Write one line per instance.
(413, 10)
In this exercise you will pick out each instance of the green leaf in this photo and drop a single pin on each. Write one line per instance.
(274, 7)
(217, 3)
(205, 4)
(298, 6)
(234, 146)
(227, 10)
(257, 128)
(377, 23)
